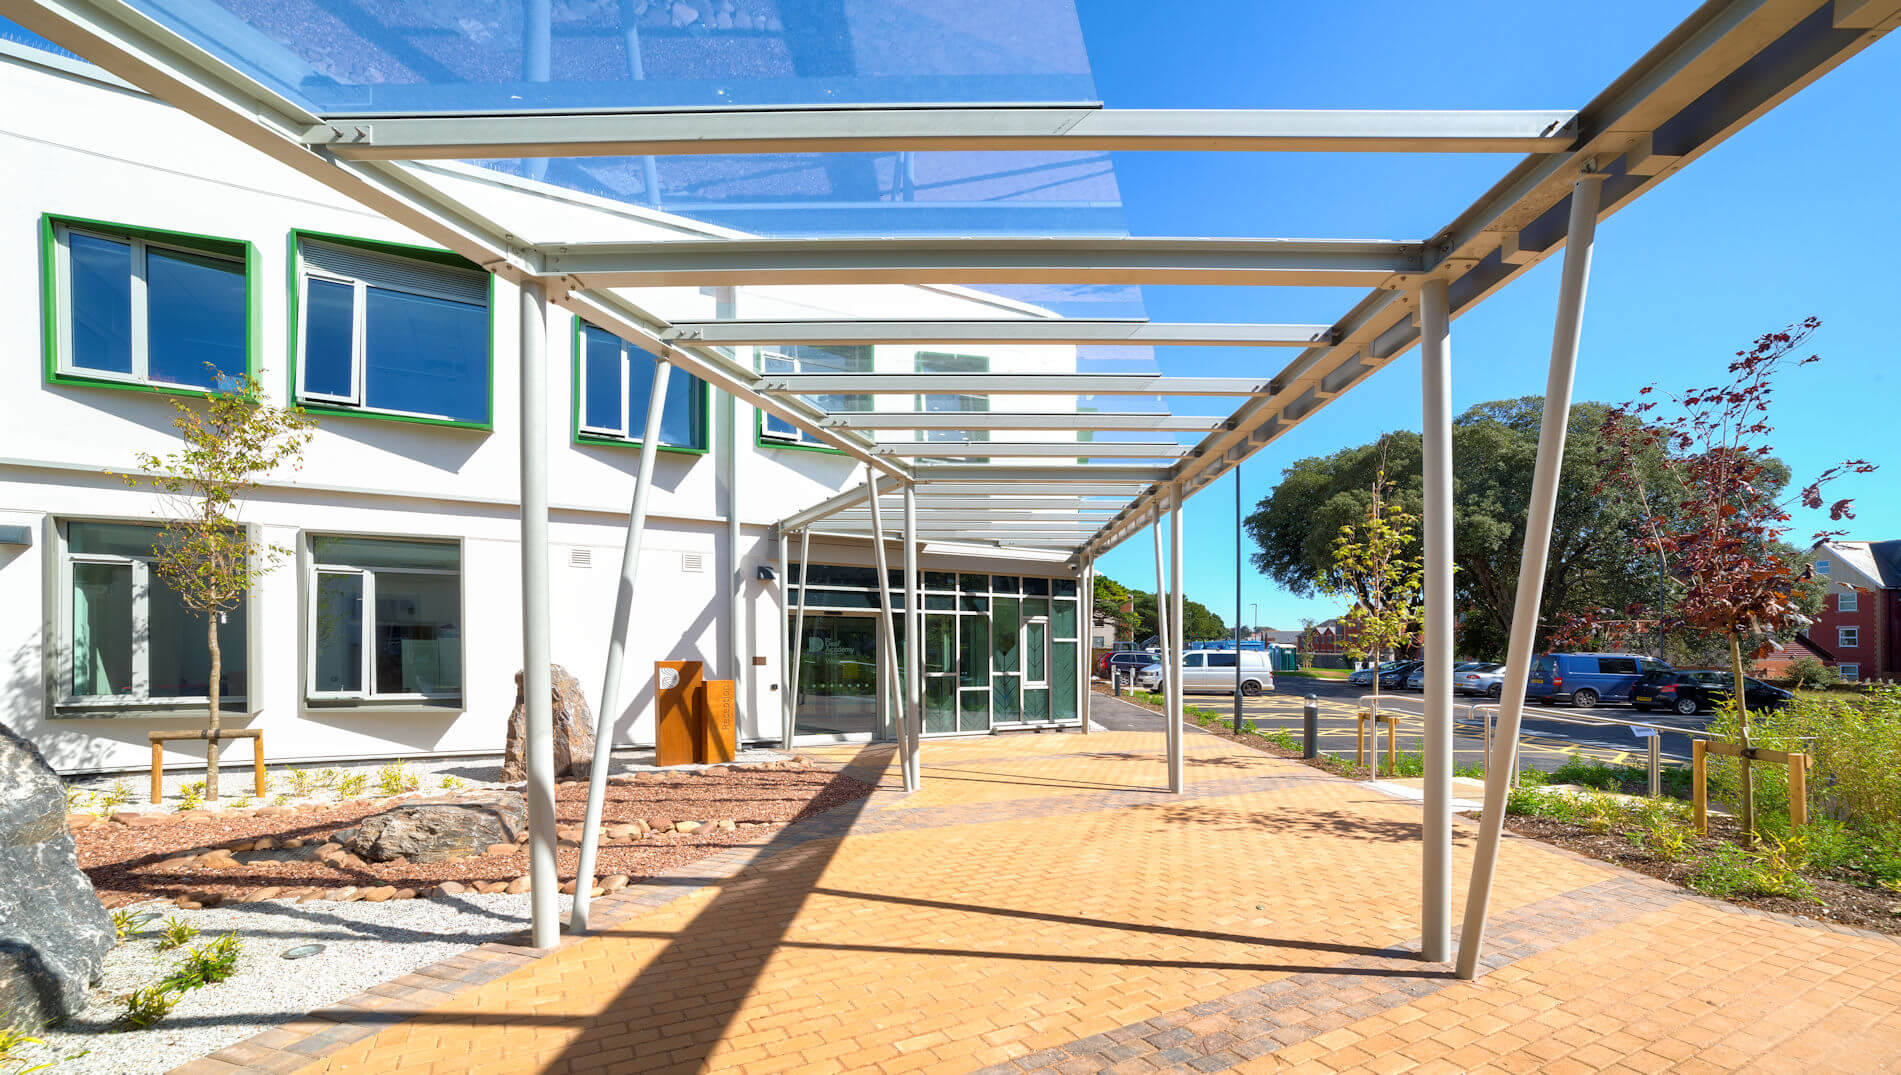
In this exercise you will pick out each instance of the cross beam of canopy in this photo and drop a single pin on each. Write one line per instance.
(1045, 449)
(998, 384)
(1107, 421)
(1001, 260)
(1020, 331)
(869, 128)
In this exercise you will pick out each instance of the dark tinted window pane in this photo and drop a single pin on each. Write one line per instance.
(600, 405)
(942, 601)
(1036, 703)
(973, 710)
(328, 308)
(1063, 619)
(1004, 698)
(975, 604)
(418, 633)
(102, 304)
(973, 651)
(973, 583)
(1618, 666)
(112, 539)
(195, 314)
(940, 704)
(1039, 587)
(1221, 660)
(384, 552)
(180, 654)
(1003, 583)
(940, 643)
(835, 575)
(940, 580)
(1063, 681)
(1004, 642)
(681, 419)
(425, 355)
(1065, 587)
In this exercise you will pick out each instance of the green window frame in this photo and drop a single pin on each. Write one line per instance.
(423, 257)
(701, 396)
(57, 292)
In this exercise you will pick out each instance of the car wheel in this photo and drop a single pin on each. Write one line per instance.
(1584, 698)
(1250, 688)
(1687, 707)
(1496, 690)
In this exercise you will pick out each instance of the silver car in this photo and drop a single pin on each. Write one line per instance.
(1212, 671)
(1417, 681)
(1484, 678)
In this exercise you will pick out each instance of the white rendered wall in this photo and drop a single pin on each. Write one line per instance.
(80, 149)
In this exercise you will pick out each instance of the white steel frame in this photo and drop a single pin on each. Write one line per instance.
(1725, 65)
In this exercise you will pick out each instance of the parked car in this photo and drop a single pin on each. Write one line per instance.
(1127, 661)
(1392, 675)
(1212, 671)
(1585, 679)
(1483, 677)
(1694, 690)
(1417, 681)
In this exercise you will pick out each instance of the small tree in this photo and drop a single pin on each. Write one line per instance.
(1719, 519)
(203, 552)
(1376, 562)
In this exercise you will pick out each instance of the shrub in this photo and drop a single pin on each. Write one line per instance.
(395, 778)
(1811, 672)
(1853, 743)
(76, 798)
(14, 1044)
(351, 787)
(451, 783)
(116, 796)
(205, 964)
(191, 796)
(143, 1007)
(177, 934)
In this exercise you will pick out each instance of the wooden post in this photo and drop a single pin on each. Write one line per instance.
(158, 771)
(257, 764)
(1359, 748)
(1699, 790)
(1798, 791)
(1392, 747)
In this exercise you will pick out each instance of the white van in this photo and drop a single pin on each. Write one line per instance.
(1212, 671)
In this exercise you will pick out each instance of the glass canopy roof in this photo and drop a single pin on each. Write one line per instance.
(945, 169)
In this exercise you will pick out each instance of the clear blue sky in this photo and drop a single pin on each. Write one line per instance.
(1796, 215)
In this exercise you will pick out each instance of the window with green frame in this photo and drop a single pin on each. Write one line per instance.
(146, 308)
(613, 386)
(806, 358)
(383, 331)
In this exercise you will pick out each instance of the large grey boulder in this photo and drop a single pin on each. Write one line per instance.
(429, 830)
(573, 731)
(54, 932)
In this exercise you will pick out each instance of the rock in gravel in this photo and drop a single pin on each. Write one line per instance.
(268, 892)
(573, 730)
(516, 887)
(404, 894)
(343, 893)
(614, 882)
(81, 820)
(686, 826)
(500, 849)
(450, 888)
(660, 825)
(429, 830)
(379, 893)
(54, 932)
(725, 824)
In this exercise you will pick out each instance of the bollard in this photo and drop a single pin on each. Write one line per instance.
(1310, 727)
(1115, 682)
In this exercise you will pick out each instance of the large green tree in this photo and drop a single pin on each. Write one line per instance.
(1594, 563)
(1199, 622)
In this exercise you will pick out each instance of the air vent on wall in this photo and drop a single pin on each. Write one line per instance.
(580, 557)
(692, 561)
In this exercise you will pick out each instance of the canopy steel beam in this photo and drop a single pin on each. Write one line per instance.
(1082, 475)
(879, 128)
(968, 516)
(1053, 449)
(1022, 331)
(1108, 421)
(1007, 260)
(927, 502)
(933, 488)
(1003, 384)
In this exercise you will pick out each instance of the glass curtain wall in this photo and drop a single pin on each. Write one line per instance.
(999, 650)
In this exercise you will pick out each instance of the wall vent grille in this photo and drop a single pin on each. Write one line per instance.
(692, 562)
(580, 557)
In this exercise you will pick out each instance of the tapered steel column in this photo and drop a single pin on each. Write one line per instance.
(890, 615)
(1162, 636)
(785, 646)
(1435, 394)
(1176, 629)
(913, 646)
(797, 647)
(537, 689)
(1086, 627)
(617, 649)
(1531, 565)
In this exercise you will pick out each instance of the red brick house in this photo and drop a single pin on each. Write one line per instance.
(1860, 625)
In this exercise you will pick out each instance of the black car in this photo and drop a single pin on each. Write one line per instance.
(1126, 661)
(1691, 691)
(1392, 675)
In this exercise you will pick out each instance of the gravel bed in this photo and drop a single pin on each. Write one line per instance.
(366, 944)
(235, 780)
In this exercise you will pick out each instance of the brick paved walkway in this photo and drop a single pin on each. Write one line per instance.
(1042, 906)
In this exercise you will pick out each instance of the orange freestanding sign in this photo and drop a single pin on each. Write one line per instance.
(676, 694)
(719, 740)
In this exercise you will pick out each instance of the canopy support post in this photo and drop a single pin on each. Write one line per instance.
(1435, 363)
(537, 688)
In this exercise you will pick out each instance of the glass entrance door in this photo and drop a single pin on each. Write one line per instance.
(838, 678)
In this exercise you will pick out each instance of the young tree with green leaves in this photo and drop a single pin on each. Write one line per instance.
(203, 553)
(1377, 563)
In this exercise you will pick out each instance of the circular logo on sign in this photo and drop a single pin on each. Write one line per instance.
(669, 677)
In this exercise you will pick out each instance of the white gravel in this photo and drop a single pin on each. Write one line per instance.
(367, 943)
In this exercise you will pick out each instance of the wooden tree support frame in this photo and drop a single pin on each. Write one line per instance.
(159, 739)
(1701, 749)
(1366, 718)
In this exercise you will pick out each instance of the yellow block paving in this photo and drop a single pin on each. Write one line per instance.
(963, 945)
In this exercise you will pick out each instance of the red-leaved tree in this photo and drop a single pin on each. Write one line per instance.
(1715, 508)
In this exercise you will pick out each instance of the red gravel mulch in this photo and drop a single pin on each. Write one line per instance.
(131, 863)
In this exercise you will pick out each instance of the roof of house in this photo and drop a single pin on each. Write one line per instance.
(1878, 562)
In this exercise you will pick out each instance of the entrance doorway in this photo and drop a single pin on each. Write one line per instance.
(838, 678)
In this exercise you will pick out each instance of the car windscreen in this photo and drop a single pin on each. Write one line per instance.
(1656, 675)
